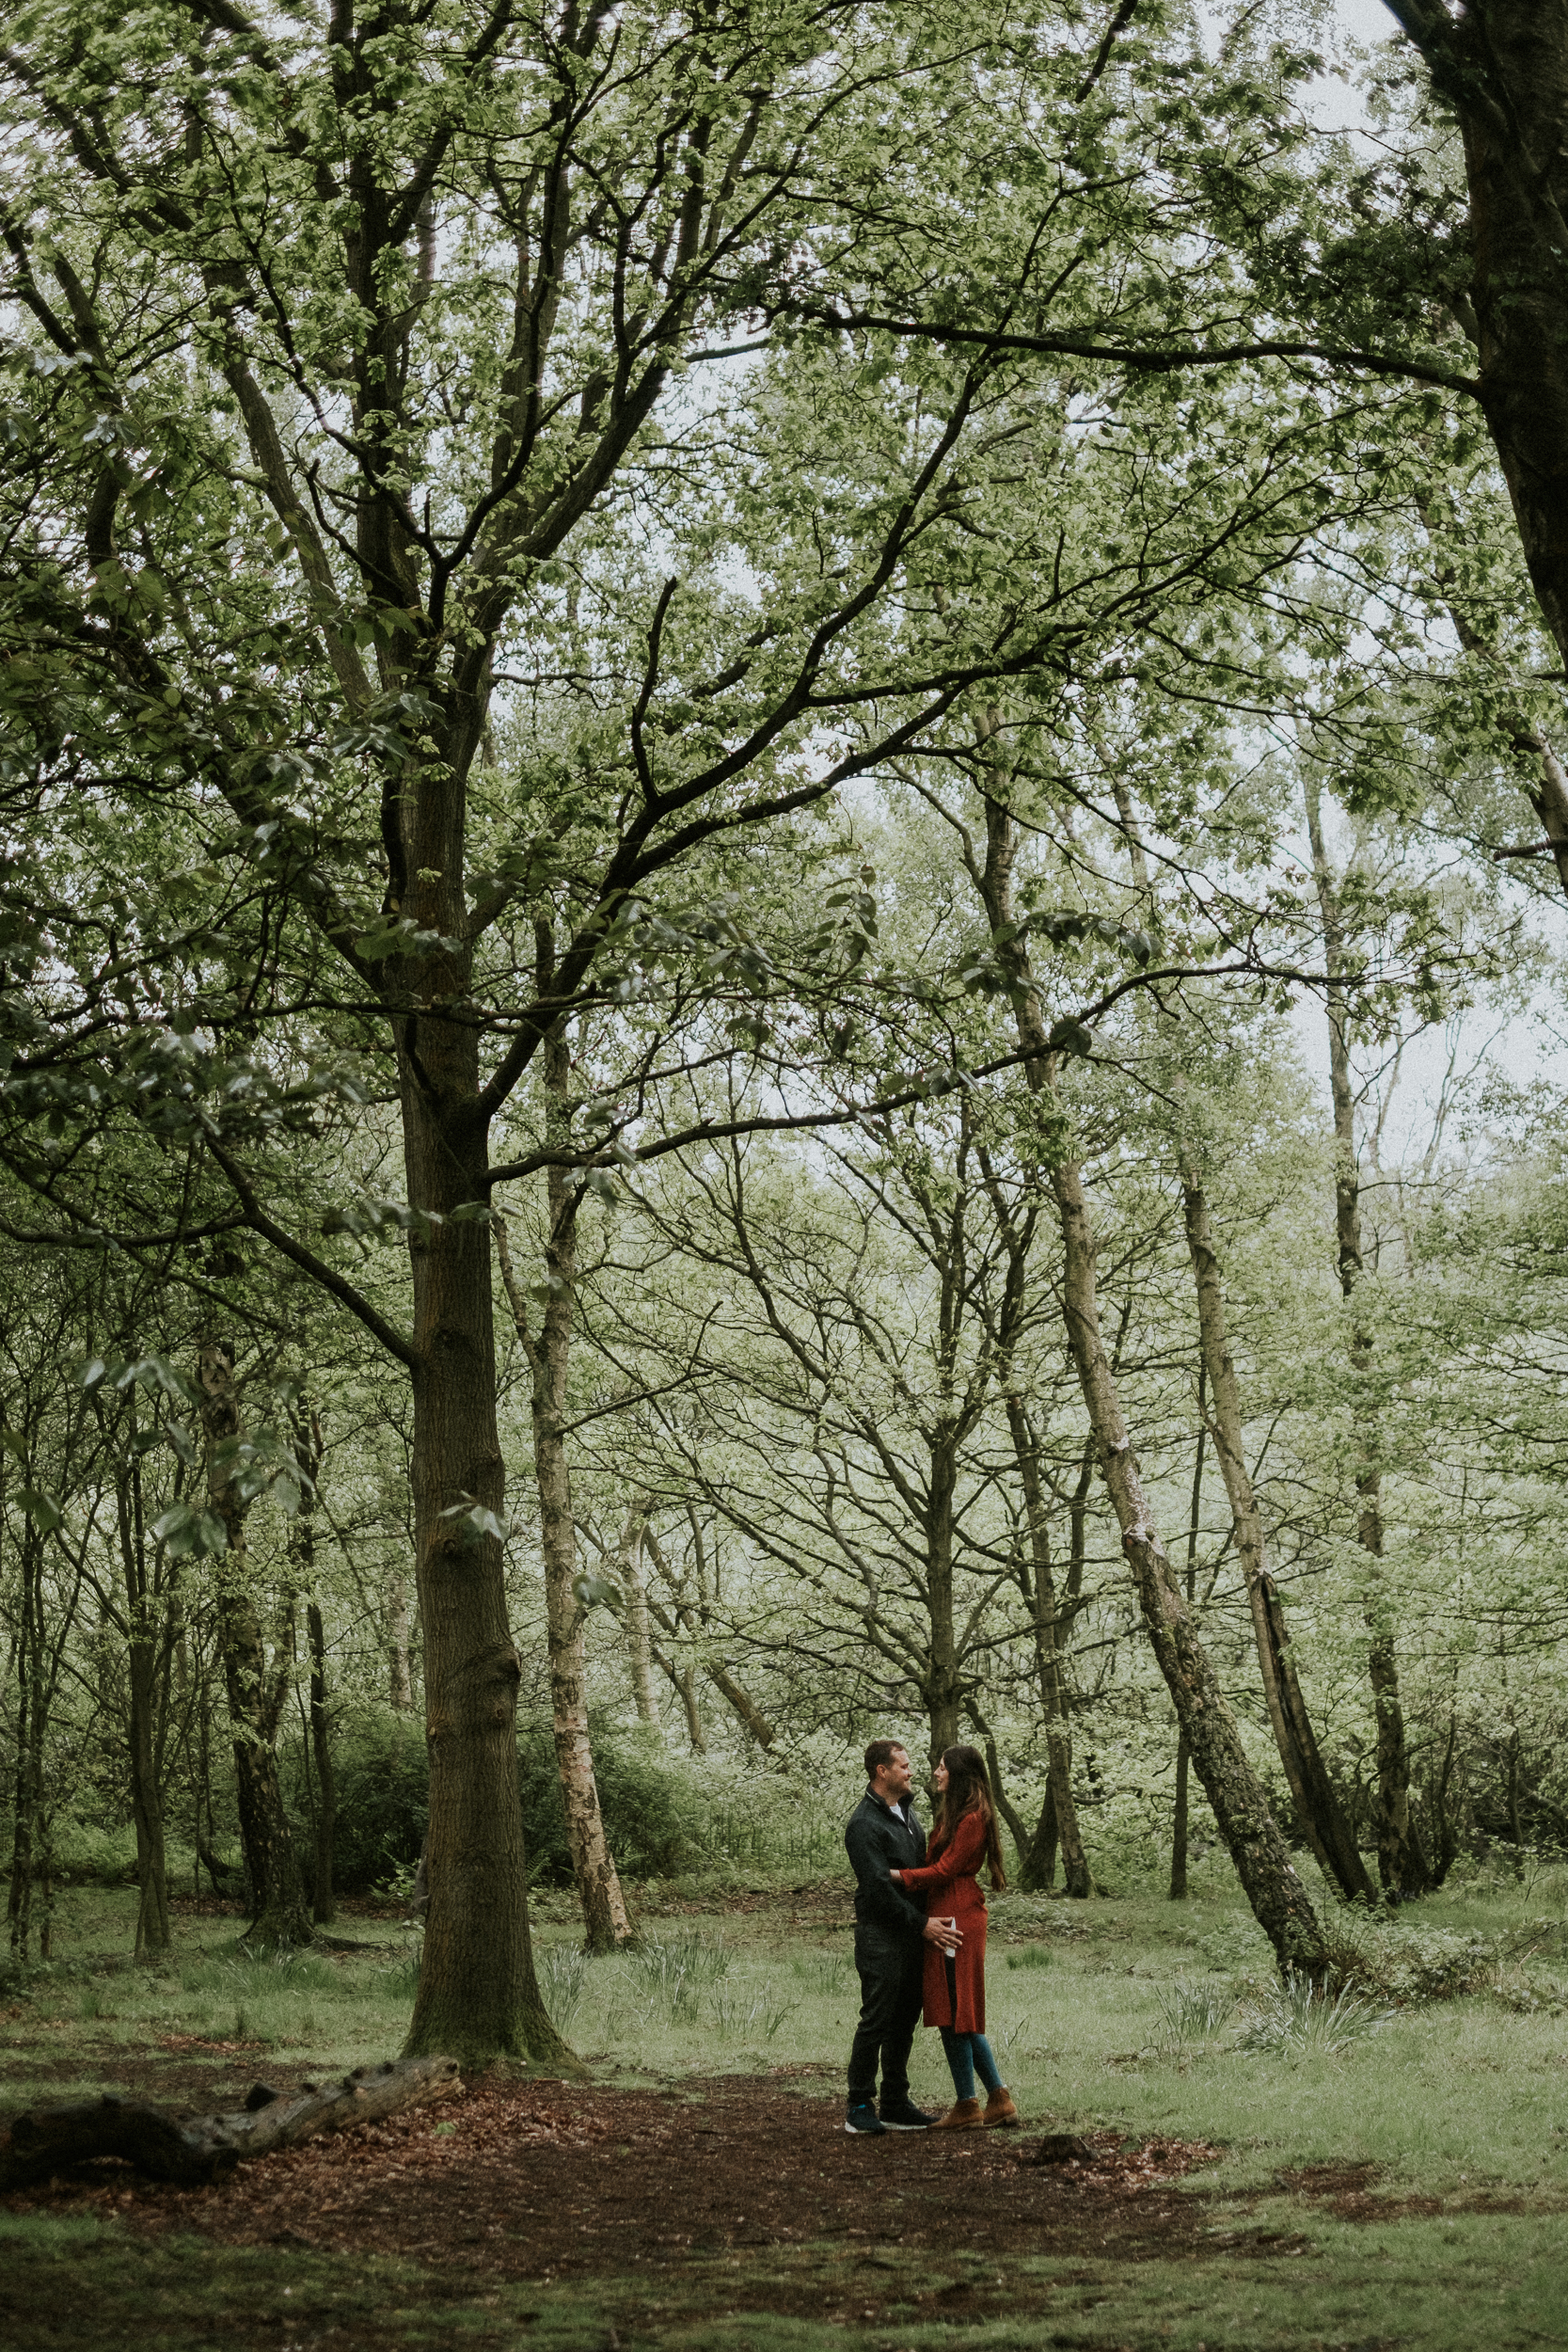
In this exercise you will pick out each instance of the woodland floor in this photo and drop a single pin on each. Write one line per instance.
(728, 2212)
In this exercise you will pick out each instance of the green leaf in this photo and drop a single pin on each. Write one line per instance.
(1072, 1037)
(473, 1520)
(41, 1507)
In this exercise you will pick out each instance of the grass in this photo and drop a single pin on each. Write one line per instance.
(1437, 2287)
(1138, 2014)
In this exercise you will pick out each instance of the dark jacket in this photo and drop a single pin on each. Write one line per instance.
(877, 1842)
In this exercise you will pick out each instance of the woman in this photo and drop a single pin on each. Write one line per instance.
(956, 1984)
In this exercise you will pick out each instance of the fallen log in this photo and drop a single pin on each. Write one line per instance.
(194, 2150)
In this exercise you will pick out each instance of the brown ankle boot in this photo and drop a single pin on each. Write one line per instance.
(964, 2116)
(999, 2110)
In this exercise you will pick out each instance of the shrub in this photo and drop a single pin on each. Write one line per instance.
(83, 1852)
(657, 1814)
(1395, 1963)
(383, 1786)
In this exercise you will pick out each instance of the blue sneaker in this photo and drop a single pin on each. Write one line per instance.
(865, 2120)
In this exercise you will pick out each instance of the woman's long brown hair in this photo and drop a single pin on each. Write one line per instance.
(968, 1791)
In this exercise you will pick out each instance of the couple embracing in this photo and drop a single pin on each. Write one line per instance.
(919, 1940)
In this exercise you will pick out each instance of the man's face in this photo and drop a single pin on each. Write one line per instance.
(893, 1779)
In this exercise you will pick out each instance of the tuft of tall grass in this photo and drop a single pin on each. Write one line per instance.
(563, 1981)
(1291, 2019)
(1192, 2012)
(766, 2014)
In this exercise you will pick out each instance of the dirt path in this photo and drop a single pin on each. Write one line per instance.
(549, 2181)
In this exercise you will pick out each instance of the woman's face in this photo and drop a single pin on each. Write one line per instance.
(939, 1778)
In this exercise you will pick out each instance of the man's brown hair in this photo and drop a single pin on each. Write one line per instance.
(882, 1752)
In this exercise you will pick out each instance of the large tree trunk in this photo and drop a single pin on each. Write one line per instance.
(1317, 1807)
(276, 1893)
(1502, 65)
(604, 1912)
(1402, 1865)
(478, 1996)
(1262, 1861)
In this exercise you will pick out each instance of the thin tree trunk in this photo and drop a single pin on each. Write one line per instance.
(748, 1713)
(689, 1620)
(400, 1680)
(683, 1681)
(943, 1689)
(147, 1652)
(1178, 1818)
(309, 1451)
(1262, 1861)
(27, 1826)
(1008, 1811)
(322, 1901)
(1317, 1807)
(1077, 1880)
(686, 1683)
(1445, 1840)
(1402, 1865)
(276, 1892)
(604, 1912)
(639, 1655)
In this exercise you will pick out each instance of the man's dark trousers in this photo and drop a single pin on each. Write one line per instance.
(890, 1952)
(892, 1972)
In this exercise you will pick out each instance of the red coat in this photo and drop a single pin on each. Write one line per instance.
(956, 1987)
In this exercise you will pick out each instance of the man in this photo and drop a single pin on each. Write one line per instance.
(891, 1936)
